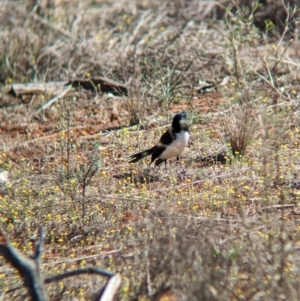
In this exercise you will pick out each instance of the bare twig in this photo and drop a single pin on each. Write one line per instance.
(45, 22)
(27, 267)
(282, 54)
(111, 288)
(70, 274)
(39, 248)
(287, 62)
(276, 207)
(79, 272)
(85, 257)
(270, 83)
(51, 101)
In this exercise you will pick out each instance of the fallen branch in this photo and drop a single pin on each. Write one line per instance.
(111, 288)
(51, 88)
(30, 270)
(100, 84)
(51, 101)
(278, 207)
(70, 274)
(95, 84)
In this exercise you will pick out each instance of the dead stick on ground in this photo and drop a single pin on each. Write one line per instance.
(51, 101)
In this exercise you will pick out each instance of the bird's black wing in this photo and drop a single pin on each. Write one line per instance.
(165, 140)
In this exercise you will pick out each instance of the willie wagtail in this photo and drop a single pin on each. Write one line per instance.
(171, 143)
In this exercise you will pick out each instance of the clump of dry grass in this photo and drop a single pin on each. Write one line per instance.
(240, 127)
(203, 259)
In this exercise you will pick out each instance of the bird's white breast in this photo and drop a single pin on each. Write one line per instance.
(176, 147)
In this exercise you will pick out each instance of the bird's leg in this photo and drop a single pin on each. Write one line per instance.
(180, 165)
(149, 168)
(165, 165)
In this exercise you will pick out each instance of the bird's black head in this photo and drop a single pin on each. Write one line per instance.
(180, 123)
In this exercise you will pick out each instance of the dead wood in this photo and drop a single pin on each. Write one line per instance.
(95, 84)
(51, 101)
(51, 88)
(30, 270)
(79, 272)
(100, 84)
(111, 288)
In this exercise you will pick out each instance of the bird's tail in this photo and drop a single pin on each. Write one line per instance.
(141, 155)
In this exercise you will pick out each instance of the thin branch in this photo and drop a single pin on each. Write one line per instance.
(286, 62)
(27, 267)
(51, 101)
(111, 288)
(39, 248)
(85, 257)
(70, 274)
(271, 84)
(282, 54)
(79, 272)
(53, 27)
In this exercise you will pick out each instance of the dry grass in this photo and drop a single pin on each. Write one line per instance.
(221, 232)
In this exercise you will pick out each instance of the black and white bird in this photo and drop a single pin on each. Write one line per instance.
(171, 143)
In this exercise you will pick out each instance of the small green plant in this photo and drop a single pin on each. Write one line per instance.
(78, 167)
(84, 172)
